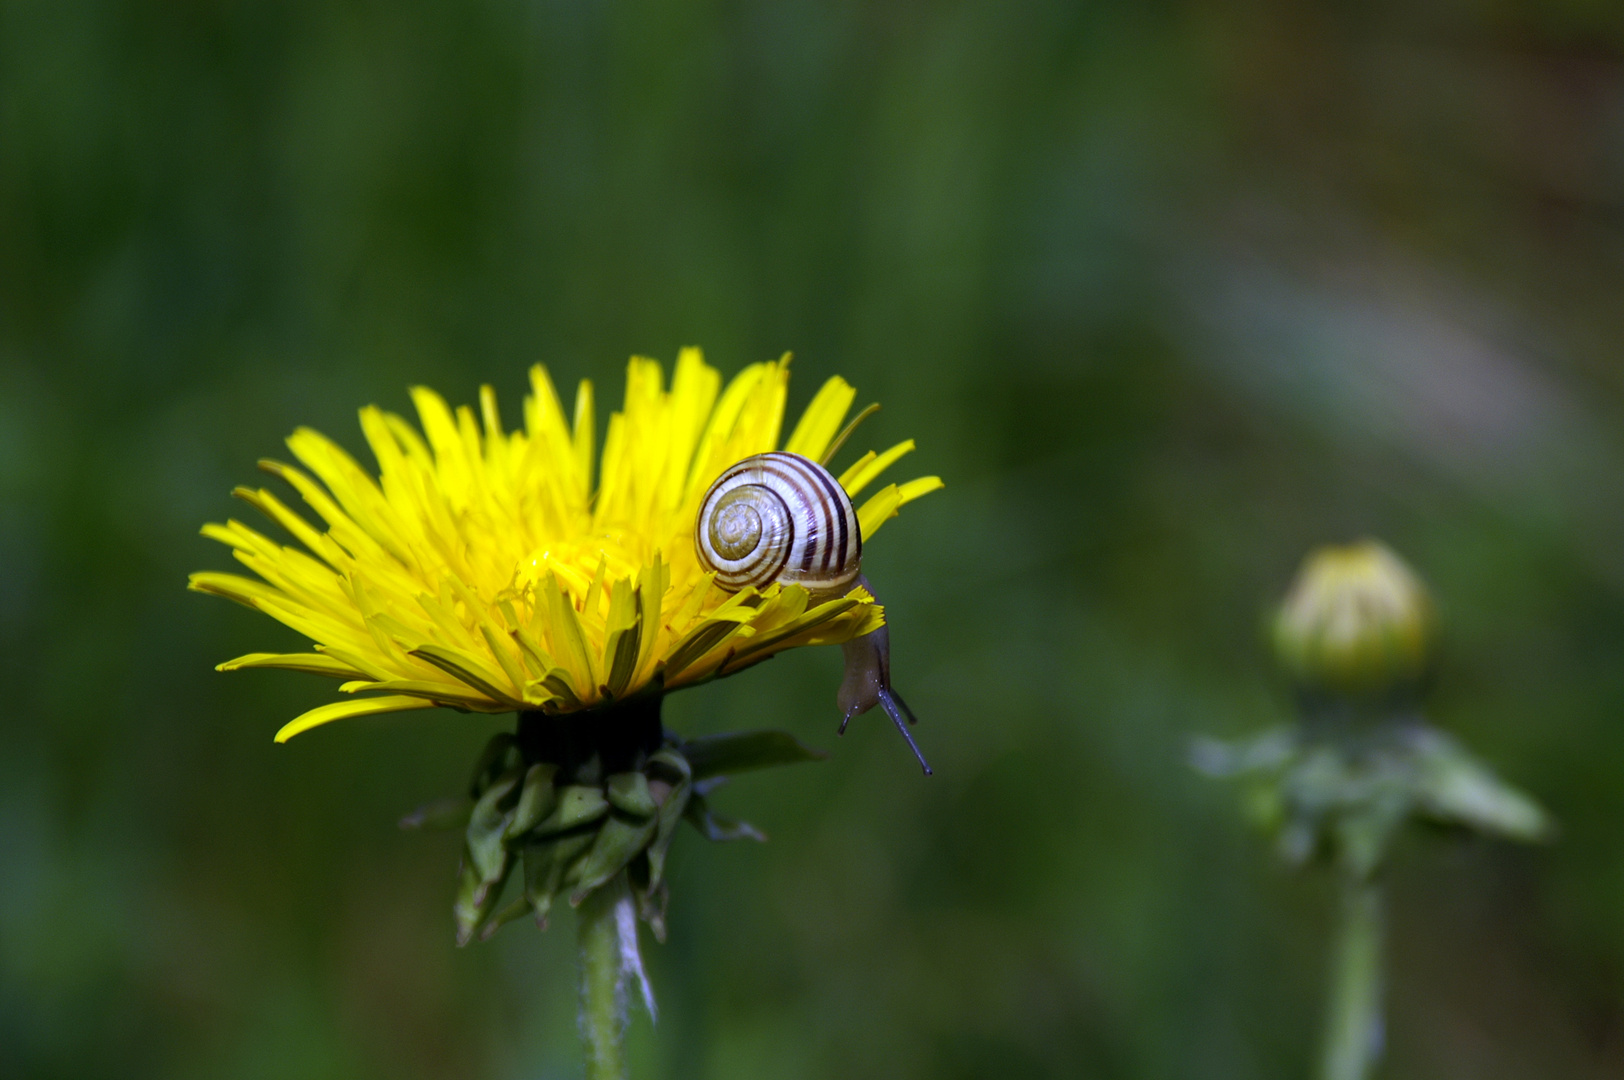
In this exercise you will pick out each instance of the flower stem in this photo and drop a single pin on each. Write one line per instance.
(603, 985)
(1354, 1031)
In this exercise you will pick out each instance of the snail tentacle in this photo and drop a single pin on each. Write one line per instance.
(889, 701)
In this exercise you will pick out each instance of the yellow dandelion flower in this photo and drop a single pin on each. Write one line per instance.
(484, 570)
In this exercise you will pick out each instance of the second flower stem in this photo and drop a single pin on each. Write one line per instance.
(1354, 1031)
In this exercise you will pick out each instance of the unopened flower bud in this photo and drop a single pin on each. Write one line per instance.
(1357, 622)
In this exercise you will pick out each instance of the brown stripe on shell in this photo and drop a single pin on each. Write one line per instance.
(834, 504)
(836, 507)
(805, 483)
(843, 514)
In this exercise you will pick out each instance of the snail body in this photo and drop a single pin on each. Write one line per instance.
(781, 518)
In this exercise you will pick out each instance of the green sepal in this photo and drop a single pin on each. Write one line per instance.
(516, 908)
(1325, 777)
(590, 771)
(617, 843)
(475, 899)
(578, 804)
(449, 813)
(628, 792)
(545, 865)
(499, 755)
(1266, 752)
(487, 853)
(672, 770)
(1298, 840)
(1455, 788)
(719, 827)
(1363, 835)
(651, 896)
(536, 800)
(715, 755)
(667, 763)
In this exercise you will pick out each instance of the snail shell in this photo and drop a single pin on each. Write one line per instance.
(779, 517)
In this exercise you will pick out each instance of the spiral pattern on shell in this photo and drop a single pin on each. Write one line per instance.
(779, 517)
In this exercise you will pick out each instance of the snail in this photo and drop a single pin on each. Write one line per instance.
(783, 518)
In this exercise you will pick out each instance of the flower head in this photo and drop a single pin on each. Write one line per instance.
(1357, 621)
(485, 570)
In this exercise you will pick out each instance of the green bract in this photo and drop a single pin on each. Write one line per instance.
(565, 804)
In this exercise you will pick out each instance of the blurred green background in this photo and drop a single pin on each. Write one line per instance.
(1167, 292)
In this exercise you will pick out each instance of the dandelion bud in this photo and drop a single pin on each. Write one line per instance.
(1357, 622)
